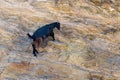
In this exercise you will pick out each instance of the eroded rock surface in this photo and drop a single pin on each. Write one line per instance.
(86, 48)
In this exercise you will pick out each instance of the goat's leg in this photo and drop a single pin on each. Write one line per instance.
(35, 44)
(34, 50)
(52, 35)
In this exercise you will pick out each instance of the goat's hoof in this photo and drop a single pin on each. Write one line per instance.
(35, 55)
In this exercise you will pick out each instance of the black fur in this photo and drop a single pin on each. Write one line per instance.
(44, 32)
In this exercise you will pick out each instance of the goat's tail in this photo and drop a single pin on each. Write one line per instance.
(29, 36)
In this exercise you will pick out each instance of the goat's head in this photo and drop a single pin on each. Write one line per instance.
(57, 25)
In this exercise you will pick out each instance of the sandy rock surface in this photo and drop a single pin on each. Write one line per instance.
(86, 48)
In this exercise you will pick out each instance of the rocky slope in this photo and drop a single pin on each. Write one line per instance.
(86, 48)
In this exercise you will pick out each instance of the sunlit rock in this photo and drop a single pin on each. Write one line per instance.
(87, 47)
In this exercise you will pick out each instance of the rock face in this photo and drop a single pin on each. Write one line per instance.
(86, 48)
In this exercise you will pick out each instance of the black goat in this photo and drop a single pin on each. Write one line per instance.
(41, 33)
